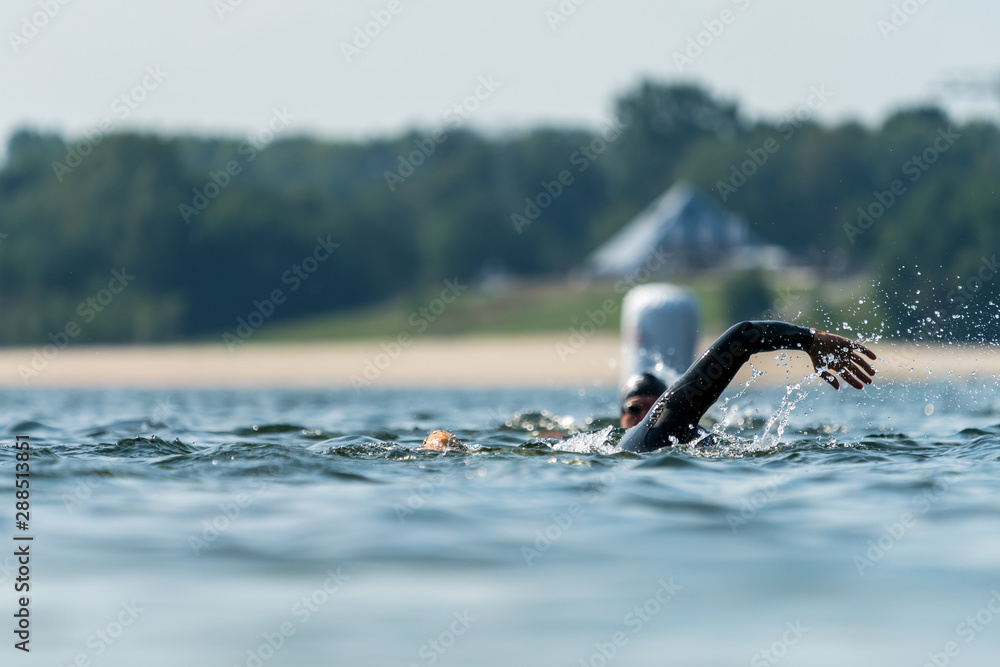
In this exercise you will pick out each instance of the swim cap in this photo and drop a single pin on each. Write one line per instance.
(643, 384)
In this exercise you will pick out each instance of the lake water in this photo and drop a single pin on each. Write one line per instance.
(303, 528)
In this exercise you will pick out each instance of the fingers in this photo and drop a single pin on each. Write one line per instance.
(864, 375)
(831, 378)
(851, 360)
(837, 342)
(850, 373)
(846, 358)
(858, 361)
(853, 375)
(850, 379)
(861, 348)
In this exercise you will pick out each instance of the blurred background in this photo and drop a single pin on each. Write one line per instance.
(832, 164)
(235, 215)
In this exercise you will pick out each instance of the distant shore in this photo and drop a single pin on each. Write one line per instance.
(510, 361)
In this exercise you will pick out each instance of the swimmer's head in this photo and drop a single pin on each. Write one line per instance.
(638, 396)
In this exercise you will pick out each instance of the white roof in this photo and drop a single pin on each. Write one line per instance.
(682, 220)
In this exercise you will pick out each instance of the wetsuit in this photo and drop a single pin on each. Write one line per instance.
(675, 415)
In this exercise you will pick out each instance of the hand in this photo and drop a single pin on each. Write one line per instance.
(830, 352)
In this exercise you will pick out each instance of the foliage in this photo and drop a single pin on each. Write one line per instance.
(413, 211)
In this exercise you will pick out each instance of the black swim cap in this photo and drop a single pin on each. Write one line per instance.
(643, 384)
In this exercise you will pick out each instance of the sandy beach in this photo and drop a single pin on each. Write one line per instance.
(515, 361)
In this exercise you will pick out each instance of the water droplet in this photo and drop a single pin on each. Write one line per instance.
(929, 409)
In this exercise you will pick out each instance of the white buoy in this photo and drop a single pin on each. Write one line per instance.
(659, 331)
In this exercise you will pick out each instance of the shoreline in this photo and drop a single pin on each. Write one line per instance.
(524, 361)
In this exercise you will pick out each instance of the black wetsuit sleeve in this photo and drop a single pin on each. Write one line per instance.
(675, 415)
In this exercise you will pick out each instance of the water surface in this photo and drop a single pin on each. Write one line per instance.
(853, 529)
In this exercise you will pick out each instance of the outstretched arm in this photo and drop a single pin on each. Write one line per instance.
(675, 415)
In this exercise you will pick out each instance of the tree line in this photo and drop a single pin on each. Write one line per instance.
(209, 229)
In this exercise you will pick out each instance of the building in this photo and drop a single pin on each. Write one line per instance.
(691, 228)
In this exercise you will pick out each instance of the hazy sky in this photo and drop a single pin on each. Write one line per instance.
(226, 75)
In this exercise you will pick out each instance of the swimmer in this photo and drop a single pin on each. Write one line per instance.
(442, 441)
(673, 418)
(638, 396)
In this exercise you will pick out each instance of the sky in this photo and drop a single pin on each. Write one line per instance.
(228, 67)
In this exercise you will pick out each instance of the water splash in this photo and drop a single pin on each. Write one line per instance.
(604, 441)
(721, 442)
